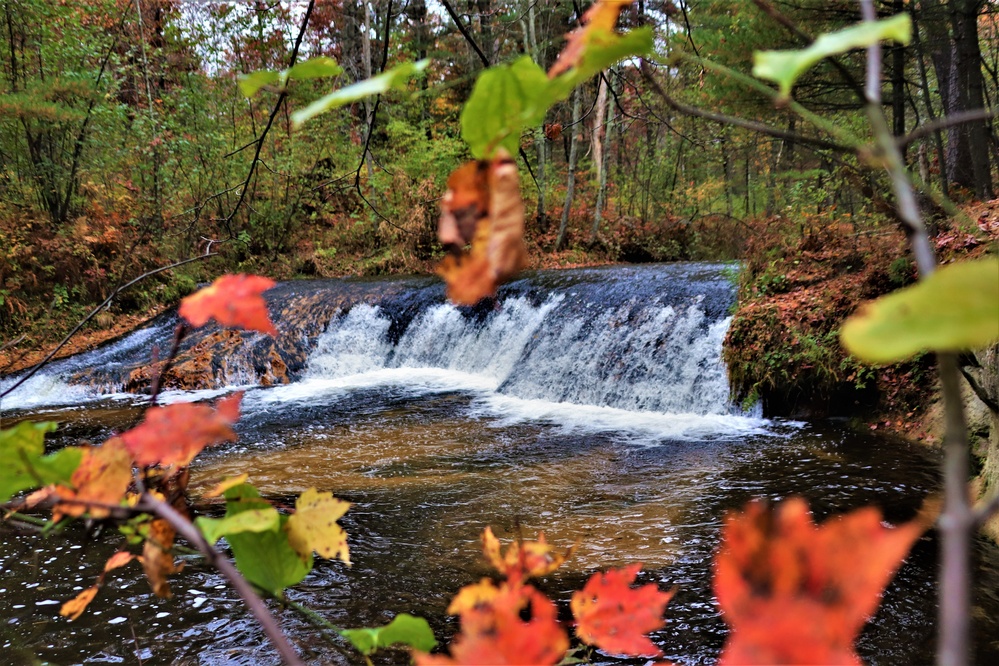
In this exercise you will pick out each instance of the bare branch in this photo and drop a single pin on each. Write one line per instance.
(947, 121)
(737, 122)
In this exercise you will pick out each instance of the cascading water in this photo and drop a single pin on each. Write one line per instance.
(608, 342)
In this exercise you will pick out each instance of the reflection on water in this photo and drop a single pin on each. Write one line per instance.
(425, 475)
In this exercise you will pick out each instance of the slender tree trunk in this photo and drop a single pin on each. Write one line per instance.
(898, 82)
(931, 113)
(369, 108)
(570, 188)
(603, 164)
(540, 144)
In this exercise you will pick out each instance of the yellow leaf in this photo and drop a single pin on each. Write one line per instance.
(226, 484)
(313, 526)
(470, 596)
(523, 558)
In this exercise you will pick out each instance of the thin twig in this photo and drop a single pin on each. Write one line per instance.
(737, 122)
(94, 312)
(270, 121)
(178, 335)
(947, 121)
(252, 600)
(957, 521)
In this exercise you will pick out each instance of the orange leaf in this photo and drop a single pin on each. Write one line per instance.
(175, 434)
(615, 617)
(795, 593)
(601, 16)
(103, 477)
(157, 558)
(482, 206)
(495, 632)
(232, 300)
(119, 559)
(522, 559)
(74, 607)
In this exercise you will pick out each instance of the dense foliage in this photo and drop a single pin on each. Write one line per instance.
(127, 144)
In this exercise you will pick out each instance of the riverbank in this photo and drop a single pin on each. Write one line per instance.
(796, 290)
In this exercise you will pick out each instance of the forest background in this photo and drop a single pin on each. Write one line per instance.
(126, 145)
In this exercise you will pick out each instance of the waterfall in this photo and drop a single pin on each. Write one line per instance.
(642, 340)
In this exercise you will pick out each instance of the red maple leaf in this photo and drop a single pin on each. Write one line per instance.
(615, 617)
(494, 631)
(794, 593)
(232, 300)
(175, 434)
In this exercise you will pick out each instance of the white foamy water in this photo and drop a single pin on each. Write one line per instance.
(593, 357)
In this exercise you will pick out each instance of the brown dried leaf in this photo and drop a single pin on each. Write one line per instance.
(103, 477)
(74, 607)
(482, 205)
(157, 558)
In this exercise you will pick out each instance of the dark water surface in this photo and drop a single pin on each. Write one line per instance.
(592, 412)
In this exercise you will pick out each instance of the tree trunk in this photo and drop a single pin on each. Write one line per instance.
(570, 187)
(602, 160)
(953, 45)
(531, 37)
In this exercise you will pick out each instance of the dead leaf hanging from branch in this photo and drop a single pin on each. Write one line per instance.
(482, 206)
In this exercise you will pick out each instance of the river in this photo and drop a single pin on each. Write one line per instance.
(591, 404)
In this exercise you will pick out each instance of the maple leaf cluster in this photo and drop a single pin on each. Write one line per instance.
(514, 623)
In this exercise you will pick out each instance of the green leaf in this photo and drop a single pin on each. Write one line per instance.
(955, 308)
(397, 77)
(506, 99)
(604, 48)
(249, 84)
(314, 68)
(265, 558)
(252, 520)
(784, 67)
(25, 466)
(404, 629)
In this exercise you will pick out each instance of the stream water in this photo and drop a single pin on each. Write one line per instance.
(591, 404)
